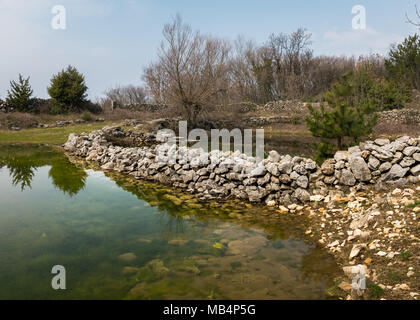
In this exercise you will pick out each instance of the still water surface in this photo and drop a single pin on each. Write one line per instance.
(124, 239)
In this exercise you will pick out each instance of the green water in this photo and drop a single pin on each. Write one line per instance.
(123, 239)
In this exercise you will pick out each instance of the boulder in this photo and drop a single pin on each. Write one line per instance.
(396, 172)
(71, 143)
(285, 166)
(302, 182)
(382, 154)
(385, 166)
(312, 166)
(373, 163)
(273, 169)
(382, 142)
(360, 169)
(285, 179)
(409, 151)
(407, 162)
(327, 167)
(347, 178)
(259, 171)
(302, 195)
(416, 170)
(255, 194)
(273, 156)
(341, 155)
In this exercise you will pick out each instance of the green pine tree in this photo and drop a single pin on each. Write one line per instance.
(350, 114)
(403, 62)
(20, 95)
(68, 91)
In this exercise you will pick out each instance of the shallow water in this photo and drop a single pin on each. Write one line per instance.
(124, 239)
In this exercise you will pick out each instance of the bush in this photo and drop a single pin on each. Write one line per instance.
(68, 91)
(388, 95)
(92, 107)
(365, 87)
(86, 116)
(350, 113)
(403, 63)
(324, 151)
(19, 96)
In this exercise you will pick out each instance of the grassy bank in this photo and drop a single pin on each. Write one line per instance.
(53, 136)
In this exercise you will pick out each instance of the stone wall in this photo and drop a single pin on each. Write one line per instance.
(64, 123)
(375, 162)
(278, 179)
(293, 106)
(143, 107)
(275, 180)
(407, 116)
(263, 121)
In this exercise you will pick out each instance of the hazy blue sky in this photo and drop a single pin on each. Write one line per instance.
(110, 41)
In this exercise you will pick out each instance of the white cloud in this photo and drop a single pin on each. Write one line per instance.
(361, 41)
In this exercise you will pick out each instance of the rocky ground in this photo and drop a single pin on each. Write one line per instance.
(372, 232)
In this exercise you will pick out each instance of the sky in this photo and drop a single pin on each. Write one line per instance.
(111, 41)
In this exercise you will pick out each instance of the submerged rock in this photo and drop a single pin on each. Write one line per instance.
(127, 257)
(248, 247)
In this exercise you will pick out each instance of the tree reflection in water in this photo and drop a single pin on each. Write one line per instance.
(23, 160)
(176, 207)
(21, 171)
(67, 177)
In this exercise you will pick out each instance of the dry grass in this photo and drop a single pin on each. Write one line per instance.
(29, 120)
(17, 119)
(54, 136)
(122, 114)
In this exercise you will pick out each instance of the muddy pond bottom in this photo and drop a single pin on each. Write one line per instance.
(124, 239)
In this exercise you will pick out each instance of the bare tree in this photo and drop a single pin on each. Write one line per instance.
(243, 83)
(191, 71)
(291, 56)
(284, 67)
(417, 24)
(127, 95)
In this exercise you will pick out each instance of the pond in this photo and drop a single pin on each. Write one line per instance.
(118, 238)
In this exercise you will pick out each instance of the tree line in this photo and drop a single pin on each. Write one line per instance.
(67, 91)
(194, 72)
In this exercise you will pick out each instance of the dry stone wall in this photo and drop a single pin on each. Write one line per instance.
(275, 180)
(378, 162)
(217, 174)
